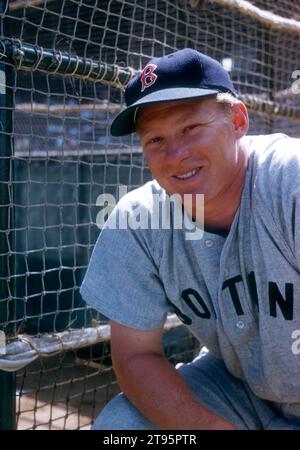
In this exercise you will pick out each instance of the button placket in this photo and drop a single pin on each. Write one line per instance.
(240, 324)
(209, 243)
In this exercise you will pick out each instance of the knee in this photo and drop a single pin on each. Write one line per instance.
(120, 414)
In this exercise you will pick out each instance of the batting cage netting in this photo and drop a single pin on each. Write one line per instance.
(64, 67)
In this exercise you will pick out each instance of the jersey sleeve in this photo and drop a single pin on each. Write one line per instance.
(122, 280)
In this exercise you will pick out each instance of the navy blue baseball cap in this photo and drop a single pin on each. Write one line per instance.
(180, 75)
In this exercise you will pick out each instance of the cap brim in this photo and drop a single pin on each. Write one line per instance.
(124, 122)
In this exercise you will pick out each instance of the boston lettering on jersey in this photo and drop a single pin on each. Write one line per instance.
(277, 302)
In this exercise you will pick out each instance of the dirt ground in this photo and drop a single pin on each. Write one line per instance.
(67, 391)
(63, 393)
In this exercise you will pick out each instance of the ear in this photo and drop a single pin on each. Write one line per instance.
(240, 119)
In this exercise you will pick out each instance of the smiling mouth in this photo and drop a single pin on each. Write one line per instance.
(188, 174)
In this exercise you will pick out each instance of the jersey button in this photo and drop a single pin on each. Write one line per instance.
(209, 243)
(240, 324)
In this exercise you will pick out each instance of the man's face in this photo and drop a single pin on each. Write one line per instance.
(194, 139)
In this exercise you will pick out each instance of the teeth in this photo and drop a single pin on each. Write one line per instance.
(187, 175)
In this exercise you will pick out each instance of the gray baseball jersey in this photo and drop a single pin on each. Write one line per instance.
(239, 294)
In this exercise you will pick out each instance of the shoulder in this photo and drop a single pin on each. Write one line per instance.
(138, 208)
(274, 152)
(132, 222)
(274, 165)
(144, 197)
(140, 200)
(274, 162)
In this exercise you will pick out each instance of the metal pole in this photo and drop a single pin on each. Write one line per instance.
(7, 379)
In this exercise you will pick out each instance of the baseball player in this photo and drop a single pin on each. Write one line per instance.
(237, 288)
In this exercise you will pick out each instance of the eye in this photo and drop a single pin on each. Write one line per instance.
(154, 140)
(191, 128)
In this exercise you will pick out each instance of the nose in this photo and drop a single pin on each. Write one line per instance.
(175, 151)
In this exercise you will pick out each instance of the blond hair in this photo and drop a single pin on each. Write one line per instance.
(227, 98)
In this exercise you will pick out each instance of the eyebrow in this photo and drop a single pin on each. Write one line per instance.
(144, 132)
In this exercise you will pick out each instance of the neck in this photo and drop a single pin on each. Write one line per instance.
(220, 211)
